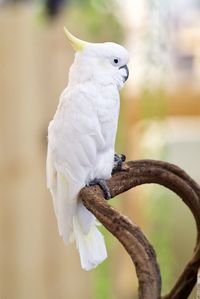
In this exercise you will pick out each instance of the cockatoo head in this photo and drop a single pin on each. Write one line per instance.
(103, 63)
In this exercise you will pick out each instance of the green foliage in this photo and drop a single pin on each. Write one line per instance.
(153, 103)
(159, 215)
(101, 282)
(100, 25)
(102, 285)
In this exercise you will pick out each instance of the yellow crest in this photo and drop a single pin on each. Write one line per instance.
(77, 44)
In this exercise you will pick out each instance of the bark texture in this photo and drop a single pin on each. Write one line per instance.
(136, 173)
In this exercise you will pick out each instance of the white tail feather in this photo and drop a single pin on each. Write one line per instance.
(85, 217)
(65, 209)
(91, 246)
(74, 220)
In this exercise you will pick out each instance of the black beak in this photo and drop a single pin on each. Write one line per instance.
(126, 70)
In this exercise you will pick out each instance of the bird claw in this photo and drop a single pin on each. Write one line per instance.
(103, 185)
(118, 160)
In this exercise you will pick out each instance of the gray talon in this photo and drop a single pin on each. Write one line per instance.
(118, 160)
(103, 185)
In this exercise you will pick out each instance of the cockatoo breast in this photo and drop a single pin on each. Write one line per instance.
(87, 117)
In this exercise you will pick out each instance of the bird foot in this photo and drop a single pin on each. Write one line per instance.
(103, 185)
(118, 160)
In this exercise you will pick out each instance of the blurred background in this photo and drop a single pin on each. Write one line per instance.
(159, 119)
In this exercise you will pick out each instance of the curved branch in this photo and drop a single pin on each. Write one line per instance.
(129, 234)
(131, 237)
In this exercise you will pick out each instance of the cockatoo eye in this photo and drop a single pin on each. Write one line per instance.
(115, 61)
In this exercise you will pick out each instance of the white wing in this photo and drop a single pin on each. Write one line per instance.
(60, 189)
(74, 136)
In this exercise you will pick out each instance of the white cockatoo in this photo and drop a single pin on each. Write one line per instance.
(81, 140)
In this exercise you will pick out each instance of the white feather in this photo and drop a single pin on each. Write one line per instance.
(63, 206)
(81, 140)
(85, 218)
(91, 245)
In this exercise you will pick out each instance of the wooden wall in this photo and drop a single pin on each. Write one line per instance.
(34, 262)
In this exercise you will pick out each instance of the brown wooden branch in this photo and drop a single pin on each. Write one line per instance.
(130, 235)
